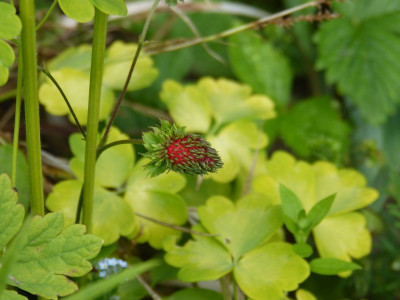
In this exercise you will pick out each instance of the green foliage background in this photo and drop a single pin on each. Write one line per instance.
(299, 111)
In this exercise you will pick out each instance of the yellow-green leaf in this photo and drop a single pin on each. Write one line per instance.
(7, 58)
(75, 85)
(118, 62)
(10, 24)
(11, 295)
(235, 143)
(156, 197)
(343, 237)
(112, 166)
(188, 106)
(79, 10)
(304, 295)
(200, 259)
(112, 215)
(111, 7)
(258, 221)
(267, 271)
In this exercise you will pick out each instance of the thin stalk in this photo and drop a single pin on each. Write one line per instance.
(46, 72)
(128, 79)
(175, 227)
(225, 287)
(165, 47)
(148, 288)
(96, 77)
(28, 43)
(235, 291)
(116, 143)
(48, 13)
(17, 118)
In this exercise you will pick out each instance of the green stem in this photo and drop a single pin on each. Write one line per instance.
(116, 143)
(235, 291)
(46, 72)
(17, 119)
(47, 15)
(128, 79)
(96, 76)
(225, 283)
(28, 43)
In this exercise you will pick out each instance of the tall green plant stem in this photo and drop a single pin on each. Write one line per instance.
(96, 76)
(28, 43)
(17, 117)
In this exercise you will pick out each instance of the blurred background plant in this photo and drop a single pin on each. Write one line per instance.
(320, 84)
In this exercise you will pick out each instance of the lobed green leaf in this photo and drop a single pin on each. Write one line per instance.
(51, 253)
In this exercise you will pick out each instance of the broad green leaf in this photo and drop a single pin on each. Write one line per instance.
(188, 106)
(50, 254)
(79, 10)
(203, 258)
(11, 295)
(319, 211)
(195, 294)
(302, 249)
(111, 7)
(196, 195)
(341, 234)
(22, 180)
(291, 205)
(258, 221)
(112, 215)
(7, 58)
(10, 25)
(230, 101)
(314, 182)
(269, 270)
(314, 129)
(112, 166)
(282, 168)
(222, 99)
(235, 144)
(11, 213)
(304, 295)
(343, 237)
(348, 184)
(357, 49)
(75, 85)
(332, 266)
(156, 198)
(78, 58)
(257, 63)
(118, 62)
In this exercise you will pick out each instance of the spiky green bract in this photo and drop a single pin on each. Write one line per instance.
(171, 148)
